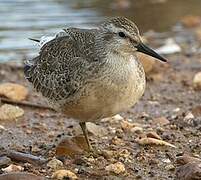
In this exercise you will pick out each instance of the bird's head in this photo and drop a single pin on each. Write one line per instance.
(122, 35)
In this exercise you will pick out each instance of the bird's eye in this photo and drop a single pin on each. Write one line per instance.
(122, 34)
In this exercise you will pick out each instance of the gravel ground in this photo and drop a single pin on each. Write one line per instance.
(170, 108)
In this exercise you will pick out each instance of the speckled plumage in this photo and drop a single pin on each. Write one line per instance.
(75, 58)
(90, 74)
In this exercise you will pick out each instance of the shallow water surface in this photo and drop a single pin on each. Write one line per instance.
(21, 19)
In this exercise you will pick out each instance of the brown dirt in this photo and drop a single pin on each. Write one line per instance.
(169, 87)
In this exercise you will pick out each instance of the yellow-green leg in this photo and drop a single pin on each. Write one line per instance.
(85, 132)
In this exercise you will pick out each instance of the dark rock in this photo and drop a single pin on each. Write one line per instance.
(4, 161)
(189, 171)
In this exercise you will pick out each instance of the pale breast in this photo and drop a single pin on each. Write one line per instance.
(130, 84)
(118, 89)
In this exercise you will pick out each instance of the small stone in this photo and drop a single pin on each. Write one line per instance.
(197, 81)
(154, 103)
(170, 167)
(90, 160)
(124, 153)
(181, 160)
(153, 134)
(161, 121)
(197, 111)
(176, 110)
(166, 160)
(71, 146)
(92, 128)
(189, 116)
(4, 161)
(117, 141)
(170, 47)
(55, 164)
(10, 112)
(13, 168)
(2, 128)
(108, 154)
(116, 168)
(191, 170)
(127, 126)
(153, 141)
(28, 131)
(13, 91)
(137, 130)
(96, 130)
(112, 130)
(115, 118)
(64, 174)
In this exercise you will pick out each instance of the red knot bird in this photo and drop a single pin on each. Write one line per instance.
(90, 74)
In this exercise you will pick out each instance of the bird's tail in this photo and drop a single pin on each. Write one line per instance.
(36, 40)
(30, 63)
(29, 66)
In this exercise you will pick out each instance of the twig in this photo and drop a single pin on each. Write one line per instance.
(24, 157)
(24, 103)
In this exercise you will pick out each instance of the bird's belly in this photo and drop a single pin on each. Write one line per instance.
(118, 88)
(106, 99)
(123, 97)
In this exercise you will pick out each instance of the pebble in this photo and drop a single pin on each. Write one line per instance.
(107, 154)
(197, 81)
(96, 130)
(116, 168)
(127, 126)
(92, 128)
(170, 47)
(167, 160)
(71, 146)
(64, 174)
(112, 130)
(10, 112)
(4, 161)
(161, 121)
(181, 160)
(13, 91)
(170, 167)
(115, 118)
(138, 130)
(55, 164)
(197, 111)
(153, 134)
(2, 128)
(189, 116)
(13, 168)
(189, 171)
(117, 141)
(124, 153)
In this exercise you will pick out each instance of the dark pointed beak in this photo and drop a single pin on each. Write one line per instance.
(146, 50)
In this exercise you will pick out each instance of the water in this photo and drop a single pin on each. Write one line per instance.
(21, 19)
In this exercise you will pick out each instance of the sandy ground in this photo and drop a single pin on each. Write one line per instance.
(169, 94)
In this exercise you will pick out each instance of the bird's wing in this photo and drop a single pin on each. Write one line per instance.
(60, 69)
